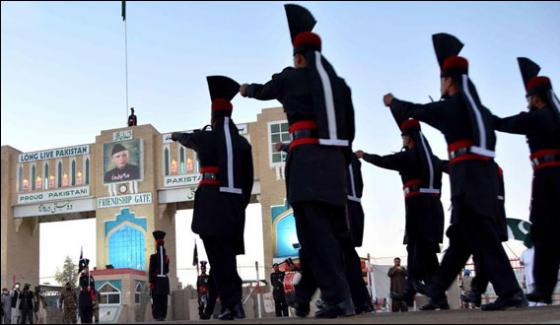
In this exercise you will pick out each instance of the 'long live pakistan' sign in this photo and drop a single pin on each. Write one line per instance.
(124, 200)
(53, 195)
(54, 153)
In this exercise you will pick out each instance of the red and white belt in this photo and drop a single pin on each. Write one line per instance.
(461, 151)
(545, 158)
(209, 175)
(412, 188)
(303, 132)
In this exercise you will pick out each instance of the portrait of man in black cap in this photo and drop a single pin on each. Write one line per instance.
(120, 157)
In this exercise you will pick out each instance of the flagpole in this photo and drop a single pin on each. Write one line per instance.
(125, 58)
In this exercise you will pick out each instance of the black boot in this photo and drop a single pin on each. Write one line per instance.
(342, 309)
(517, 300)
(238, 311)
(539, 298)
(227, 314)
(436, 303)
(365, 307)
(302, 309)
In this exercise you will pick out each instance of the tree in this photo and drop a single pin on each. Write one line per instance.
(69, 273)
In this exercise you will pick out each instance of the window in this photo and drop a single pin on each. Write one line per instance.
(73, 173)
(86, 171)
(278, 132)
(166, 161)
(127, 248)
(109, 295)
(20, 178)
(59, 174)
(138, 292)
(33, 177)
(182, 160)
(46, 177)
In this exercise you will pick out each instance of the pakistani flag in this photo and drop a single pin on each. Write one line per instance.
(123, 10)
(519, 230)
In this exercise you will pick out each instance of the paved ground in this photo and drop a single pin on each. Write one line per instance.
(541, 315)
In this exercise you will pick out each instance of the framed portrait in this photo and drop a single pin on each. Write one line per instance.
(123, 161)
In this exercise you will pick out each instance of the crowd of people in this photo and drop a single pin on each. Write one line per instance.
(23, 306)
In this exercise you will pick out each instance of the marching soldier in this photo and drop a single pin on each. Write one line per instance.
(319, 110)
(352, 262)
(223, 193)
(468, 130)
(68, 302)
(159, 281)
(87, 292)
(479, 283)
(541, 126)
(206, 293)
(421, 172)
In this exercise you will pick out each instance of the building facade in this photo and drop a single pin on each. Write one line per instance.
(155, 178)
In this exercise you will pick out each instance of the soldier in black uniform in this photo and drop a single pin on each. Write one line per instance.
(159, 282)
(277, 282)
(479, 283)
(319, 109)
(223, 193)
(87, 292)
(541, 126)
(132, 118)
(468, 130)
(206, 293)
(352, 262)
(421, 172)
(123, 171)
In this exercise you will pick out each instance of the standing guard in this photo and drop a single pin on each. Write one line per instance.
(159, 281)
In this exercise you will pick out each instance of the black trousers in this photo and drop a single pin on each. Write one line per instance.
(319, 228)
(479, 283)
(422, 262)
(86, 314)
(222, 258)
(475, 235)
(353, 271)
(159, 306)
(545, 268)
(280, 304)
(544, 230)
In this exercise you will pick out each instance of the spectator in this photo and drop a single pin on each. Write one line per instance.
(40, 307)
(398, 285)
(15, 296)
(6, 306)
(26, 305)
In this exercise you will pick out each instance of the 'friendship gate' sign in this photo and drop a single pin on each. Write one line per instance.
(54, 153)
(124, 200)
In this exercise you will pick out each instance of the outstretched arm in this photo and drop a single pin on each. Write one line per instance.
(395, 161)
(517, 124)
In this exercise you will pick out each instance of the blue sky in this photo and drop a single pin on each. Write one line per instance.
(62, 70)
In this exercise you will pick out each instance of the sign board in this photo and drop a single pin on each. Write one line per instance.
(52, 208)
(54, 153)
(63, 194)
(124, 200)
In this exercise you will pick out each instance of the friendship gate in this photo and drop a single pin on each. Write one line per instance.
(160, 177)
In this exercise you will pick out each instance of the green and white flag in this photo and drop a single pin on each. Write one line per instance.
(519, 230)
